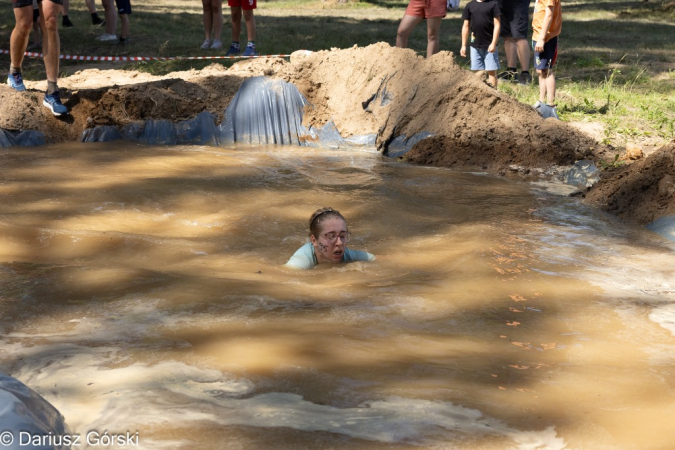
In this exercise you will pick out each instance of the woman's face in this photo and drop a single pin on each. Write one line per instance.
(324, 249)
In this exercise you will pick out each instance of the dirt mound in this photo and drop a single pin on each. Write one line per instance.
(641, 192)
(377, 89)
(395, 92)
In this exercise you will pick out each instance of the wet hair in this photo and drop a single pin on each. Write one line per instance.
(319, 216)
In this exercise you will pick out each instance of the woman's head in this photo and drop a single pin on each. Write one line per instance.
(329, 235)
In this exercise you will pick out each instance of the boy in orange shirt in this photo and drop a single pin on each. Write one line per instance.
(546, 27)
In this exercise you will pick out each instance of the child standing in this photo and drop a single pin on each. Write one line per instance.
(546, 26)
(124, 9)
(236, 9)
(482, 18)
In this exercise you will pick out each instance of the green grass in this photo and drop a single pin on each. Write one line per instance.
(616, 63)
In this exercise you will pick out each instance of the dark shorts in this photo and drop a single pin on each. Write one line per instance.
(24, 3)
(546, 59)
(123, 6)
(515, 19)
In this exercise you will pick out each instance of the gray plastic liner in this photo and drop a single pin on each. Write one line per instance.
(265, 111)
(27, 138)
(401, 145)
(665, 226)
(24, 410)
(102, 133)
(547, 111)
(582, 174)
(201, 130)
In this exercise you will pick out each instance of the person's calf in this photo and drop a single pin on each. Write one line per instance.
(492, 78)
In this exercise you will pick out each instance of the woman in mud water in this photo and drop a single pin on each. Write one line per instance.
(328, 235)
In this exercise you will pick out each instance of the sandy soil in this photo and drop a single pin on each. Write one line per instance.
(377, 89)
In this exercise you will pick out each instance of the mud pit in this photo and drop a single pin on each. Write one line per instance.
(377, 89)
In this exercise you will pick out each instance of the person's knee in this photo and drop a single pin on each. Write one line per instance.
(248, 15)
(24, 25)
(51, 23)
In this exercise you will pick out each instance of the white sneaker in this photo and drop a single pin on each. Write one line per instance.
(106, 37)
(206, 45)
(216, 45)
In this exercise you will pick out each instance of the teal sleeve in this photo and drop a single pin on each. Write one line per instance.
(303, 258)
(357, 255)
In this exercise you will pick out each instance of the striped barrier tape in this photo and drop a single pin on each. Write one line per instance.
(145, 58)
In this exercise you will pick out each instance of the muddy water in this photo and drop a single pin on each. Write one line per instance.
(142, 290)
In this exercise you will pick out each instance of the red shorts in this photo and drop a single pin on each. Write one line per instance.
(426, 8)
(243, 4)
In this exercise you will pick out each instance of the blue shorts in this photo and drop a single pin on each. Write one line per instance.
(546, 60)
(481, 59)
(123, 6)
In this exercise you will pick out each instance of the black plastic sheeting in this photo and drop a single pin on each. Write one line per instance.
(27, 138)
(24, 410)
(264, 111)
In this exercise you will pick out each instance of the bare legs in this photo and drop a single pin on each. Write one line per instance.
(236, 13)
(110, 16)
(18, 41)
(433, 35)
(405, 29)
(546, 86)
(213, 19)
(408, 24)
(51, 45)
(492, 78)
(517, 49)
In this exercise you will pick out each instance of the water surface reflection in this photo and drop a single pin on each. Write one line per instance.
(142, 289)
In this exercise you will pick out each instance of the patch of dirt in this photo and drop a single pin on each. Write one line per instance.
(377, 89)
(641, 192)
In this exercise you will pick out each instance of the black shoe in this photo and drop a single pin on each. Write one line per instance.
(525, 78)
(508, 75)
(97, 21)
(66, 22)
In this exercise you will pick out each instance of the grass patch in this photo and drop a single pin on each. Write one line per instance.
(616, 63)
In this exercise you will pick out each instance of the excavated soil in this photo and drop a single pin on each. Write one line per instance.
(377, 89)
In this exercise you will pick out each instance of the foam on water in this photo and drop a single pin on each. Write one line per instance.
(100, 388)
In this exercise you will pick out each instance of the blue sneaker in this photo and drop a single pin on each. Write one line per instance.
(233, 51)
(15, 81)
(250, 51)
(53, 102)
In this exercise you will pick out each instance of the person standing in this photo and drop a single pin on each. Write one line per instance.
(431, 10)
(91, 6)
(546, 27)
(514, 26)
(481, 20)
(213, 24)
(51, 48)
(110, 22)
(124, 10)
(237, 7)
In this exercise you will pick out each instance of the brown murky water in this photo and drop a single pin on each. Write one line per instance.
(142, 289)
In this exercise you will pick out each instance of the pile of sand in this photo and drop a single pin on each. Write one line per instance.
(376, 89)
